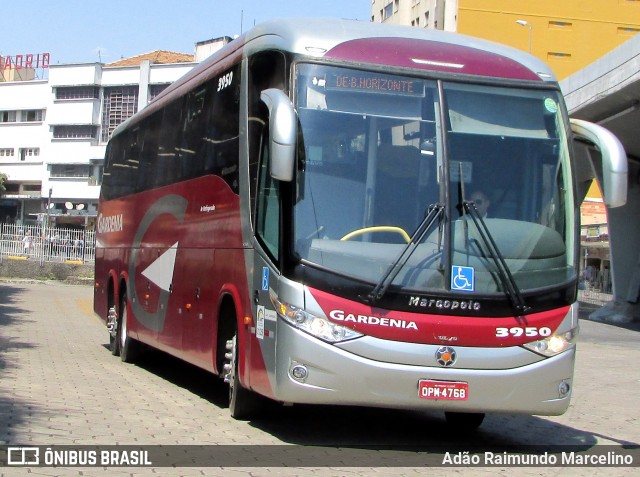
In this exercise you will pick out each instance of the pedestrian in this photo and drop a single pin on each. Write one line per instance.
(26, 243)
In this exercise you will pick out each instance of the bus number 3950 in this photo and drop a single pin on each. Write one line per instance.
(225, 81)
(516, 331)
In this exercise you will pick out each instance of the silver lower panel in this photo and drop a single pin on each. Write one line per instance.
(337, 376)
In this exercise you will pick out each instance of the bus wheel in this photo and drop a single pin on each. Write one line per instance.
(128, 346)
(112, 328)
(243, 403)
(464, 420)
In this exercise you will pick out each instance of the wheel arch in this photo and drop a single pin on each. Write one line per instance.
(111, 290)
(121, 290)
(230, 319)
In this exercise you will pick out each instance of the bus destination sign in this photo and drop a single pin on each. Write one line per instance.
(374, 83)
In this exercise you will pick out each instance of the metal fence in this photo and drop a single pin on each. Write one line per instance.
(47, 244)
(594, 296)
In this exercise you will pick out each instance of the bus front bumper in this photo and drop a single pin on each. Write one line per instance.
(314, 372)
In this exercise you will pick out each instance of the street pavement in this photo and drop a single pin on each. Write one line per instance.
(60, 386)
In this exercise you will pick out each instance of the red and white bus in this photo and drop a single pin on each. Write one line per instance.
(339, 212)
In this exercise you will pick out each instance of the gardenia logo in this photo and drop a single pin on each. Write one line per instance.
(110, 223)
(340, 315)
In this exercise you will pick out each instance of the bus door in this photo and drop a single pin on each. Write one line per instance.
(263, 336)
(265, 276)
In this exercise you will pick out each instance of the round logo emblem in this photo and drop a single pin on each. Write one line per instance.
(446, 356)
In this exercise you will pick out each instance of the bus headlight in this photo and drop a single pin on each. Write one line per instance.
(317, 326)
(554, 344)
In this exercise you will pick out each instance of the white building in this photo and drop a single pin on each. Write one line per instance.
(53, 133)
(23, 141)
(435, 14)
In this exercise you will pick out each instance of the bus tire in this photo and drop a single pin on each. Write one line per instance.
(243, 403)
(127, 346)
(464, 420)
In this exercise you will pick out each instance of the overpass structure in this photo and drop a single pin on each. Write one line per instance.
(607, 92)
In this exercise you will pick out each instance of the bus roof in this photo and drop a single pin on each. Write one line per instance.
(395, 45)
(367, 43)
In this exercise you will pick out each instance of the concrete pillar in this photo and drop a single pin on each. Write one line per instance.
(624, 230)
(143, 89)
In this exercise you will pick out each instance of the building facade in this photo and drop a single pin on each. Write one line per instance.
(436, 14)
(567, 35)
(53, 132)
(23, 144)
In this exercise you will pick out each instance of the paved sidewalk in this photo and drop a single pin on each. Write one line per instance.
(59, 385)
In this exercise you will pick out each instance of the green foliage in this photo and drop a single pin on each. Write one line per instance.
(3, 179)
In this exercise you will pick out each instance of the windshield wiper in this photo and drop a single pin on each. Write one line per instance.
(508, 282)
(434, 211)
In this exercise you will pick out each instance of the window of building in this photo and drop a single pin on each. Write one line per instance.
(29, 152)
(75, 132)
(558, 25)
(69, 170)
(120, 103)
(77, 92)
(32, 115)
(96, 169)
(387, 12)
(628, 30)
(557, 55)
(6, 152)
(7, 116)
(155, 90)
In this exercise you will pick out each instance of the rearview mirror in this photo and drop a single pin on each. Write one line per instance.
(614, 160)
(282, 134)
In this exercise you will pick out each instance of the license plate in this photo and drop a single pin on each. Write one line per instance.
(445, 390)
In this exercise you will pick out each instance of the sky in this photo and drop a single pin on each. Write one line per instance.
(88, 31)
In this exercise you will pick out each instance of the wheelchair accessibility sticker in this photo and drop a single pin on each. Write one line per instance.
(462, 278)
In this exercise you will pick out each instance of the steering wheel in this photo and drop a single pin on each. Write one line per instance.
(378, 228)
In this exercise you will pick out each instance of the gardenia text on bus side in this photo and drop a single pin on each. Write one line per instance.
(110, 223)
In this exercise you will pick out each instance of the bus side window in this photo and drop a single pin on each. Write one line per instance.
(107, 189)
(116, 184)
(222, 131)
(148, 151)
(194, 146)
(268, 206)
(167, 163)
(267, 69)
(209, 139)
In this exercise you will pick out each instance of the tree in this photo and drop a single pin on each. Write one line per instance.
(3, 179)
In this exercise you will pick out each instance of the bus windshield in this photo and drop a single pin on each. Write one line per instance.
(378, 152)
